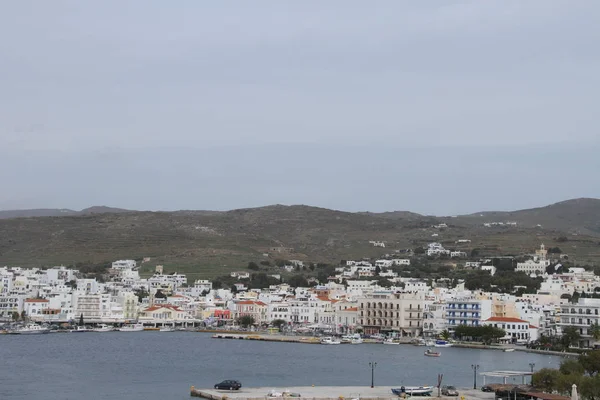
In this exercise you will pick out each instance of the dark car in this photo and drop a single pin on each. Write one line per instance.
(449, 391)
(487, 388)
(228, 385)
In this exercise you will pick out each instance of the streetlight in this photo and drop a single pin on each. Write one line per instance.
(531, 365)
(372, 365)
(475, 368)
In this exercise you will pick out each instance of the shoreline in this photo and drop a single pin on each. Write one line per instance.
(228, 335)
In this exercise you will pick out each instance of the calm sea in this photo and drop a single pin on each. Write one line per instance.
(163, 365)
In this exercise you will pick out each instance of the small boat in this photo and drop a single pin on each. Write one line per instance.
(430, 343)
(508, 350)
(431, 353)
(419, 342)
(390, 341)
(285, 393)
(80, 329)
(103, 328)
(132, 328)
(356, 341)
(330, 340)
(167, 329)
(442, 343)
(413, 390)
(31, 329)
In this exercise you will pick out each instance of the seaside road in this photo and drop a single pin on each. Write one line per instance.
(327, 393)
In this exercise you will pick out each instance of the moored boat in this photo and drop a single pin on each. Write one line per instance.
(167, 329)
(103, 328)
(132, 328)
(30, 329)
(329, 340)
(419, 342)
(390, 341)
(80, 329)
(442, 343)
(508, 350)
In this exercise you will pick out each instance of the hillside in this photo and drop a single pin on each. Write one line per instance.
(577, 216)
(205, 243)
(58, 212)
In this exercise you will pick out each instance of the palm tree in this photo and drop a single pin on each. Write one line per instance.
(445, 334)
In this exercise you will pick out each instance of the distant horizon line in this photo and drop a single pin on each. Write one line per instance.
(285, 205)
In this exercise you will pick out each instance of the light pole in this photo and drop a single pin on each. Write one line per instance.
(531, 365)
(475, 368)
(372, 365)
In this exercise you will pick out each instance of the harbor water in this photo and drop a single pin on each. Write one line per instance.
(163, 365)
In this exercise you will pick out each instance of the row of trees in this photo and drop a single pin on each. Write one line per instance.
(486, 334)
(583, 372)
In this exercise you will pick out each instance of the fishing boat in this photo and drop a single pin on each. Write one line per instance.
(442, 343)
(30, 329)
(80, 329)
(390, 341)
(132, 328)
(431, 353)
(103, 328)
(329, 340)
(413, 390)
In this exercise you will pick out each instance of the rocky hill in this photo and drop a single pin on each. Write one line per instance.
(207, 243)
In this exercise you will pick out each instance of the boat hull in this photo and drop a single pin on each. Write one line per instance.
(414, 390)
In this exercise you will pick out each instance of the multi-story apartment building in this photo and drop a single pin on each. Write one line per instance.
(470, 311)
(434, 319)
(582, 315)
(396, 313)
(517, 330)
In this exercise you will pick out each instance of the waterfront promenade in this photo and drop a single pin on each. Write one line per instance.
(326, 393)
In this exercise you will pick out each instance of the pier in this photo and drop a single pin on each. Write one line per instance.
(326, 393)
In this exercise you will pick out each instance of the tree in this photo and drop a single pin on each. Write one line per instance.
(266, 263)
(297, 281)
(570, 336)
(278, 323)
(594, 331)
(160, 295)
(246, 321)
(81, 320)
(419, 250)
(475, 253)
(546, 379)
(590, 362)
(15, 316)
(377, 270)
(217, 284)
(23, 316)
(253, 266)
(445, 334)
(571, 367)
(311, 267)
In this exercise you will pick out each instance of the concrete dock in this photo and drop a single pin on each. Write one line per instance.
(326, 393)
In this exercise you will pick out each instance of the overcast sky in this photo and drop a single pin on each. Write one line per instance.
(437, 107)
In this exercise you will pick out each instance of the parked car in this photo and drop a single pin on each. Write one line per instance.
(449, 391)
(228, 385)
(487, 388)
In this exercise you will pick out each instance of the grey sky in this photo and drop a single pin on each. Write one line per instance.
(352, 105)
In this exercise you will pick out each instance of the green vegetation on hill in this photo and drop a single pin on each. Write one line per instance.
(206, 244)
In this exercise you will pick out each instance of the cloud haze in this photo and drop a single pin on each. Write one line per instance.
(347, 104)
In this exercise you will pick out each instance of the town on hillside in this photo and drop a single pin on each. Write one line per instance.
(359, 296)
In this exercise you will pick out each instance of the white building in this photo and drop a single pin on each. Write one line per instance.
(517, 330)
(124, 264)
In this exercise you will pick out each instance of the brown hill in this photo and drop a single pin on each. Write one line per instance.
(205, 243)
